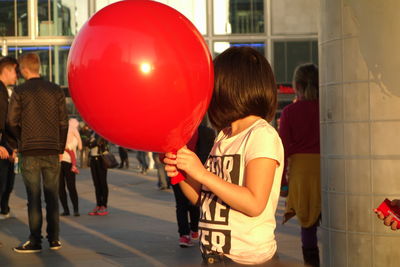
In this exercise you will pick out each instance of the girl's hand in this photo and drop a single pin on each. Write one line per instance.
(388, 220)
(188, 162)
(170, 164)
(185, 160)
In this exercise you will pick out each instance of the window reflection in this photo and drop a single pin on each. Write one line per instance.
(288, 55)
(238, 16)
(13, 18)
(220, 47)
(61, 17)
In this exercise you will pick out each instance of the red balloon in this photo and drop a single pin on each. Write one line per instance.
(141, 75)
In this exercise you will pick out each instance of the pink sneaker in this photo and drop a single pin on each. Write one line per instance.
(102, 211)
(184, 241)
(94, 211)
(194, 235)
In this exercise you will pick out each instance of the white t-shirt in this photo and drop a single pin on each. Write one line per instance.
(244, 239)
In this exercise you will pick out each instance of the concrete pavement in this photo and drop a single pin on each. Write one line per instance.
(140, 230)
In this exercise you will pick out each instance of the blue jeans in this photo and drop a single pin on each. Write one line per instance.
(33, 168)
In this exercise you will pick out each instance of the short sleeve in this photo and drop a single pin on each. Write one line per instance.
(264, 142)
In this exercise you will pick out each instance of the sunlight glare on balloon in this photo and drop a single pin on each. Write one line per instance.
(145, 68)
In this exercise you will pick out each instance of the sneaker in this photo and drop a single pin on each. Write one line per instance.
(94, 211)
(55, 245)
(102, 211)
(194, 235)
(28, 247)
(184, 241)
(5, 216)
(64, 214)
(76, 213)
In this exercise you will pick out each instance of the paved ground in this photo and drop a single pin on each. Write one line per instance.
(140, 230)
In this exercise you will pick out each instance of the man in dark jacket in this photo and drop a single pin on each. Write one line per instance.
(37, 117)
(8, 77)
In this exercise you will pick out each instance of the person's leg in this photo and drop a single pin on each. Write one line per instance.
(5, 209)
(73, 194)
(121, 157)
(51, 178)
(162, 177)
(181, 211)
(3, 175)
(310, 245)
(30, 170)
(194, 214)
(94, 169)
(65, 167)
(103, 185)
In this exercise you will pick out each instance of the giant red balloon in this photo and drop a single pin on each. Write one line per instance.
(140, 74)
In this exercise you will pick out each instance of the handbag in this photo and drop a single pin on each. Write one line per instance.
(109, 160)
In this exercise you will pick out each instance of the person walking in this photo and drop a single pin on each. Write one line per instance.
(38, 120)
(299, 131)
(98, 146)
(8, 77)
(67, 173)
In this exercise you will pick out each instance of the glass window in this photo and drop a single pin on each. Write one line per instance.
(13, 18)
(61, 17)
(238, 16)
(288, 55)
(220, 47)
(59, 73)
(194, 10)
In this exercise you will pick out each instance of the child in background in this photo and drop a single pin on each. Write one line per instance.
(238, 188)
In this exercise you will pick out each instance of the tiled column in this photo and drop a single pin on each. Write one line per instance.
(360, 129)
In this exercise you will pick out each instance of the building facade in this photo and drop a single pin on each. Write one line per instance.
(285, 31)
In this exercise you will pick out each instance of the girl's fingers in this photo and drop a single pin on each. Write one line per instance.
(170, 155)
(394, 225)
(388, 220)
(170, 168)
(172, 174)
(170, 161)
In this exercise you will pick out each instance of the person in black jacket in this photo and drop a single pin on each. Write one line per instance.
(8, 77)
(37, 117)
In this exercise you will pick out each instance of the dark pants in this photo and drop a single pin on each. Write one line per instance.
(309, 236)
(7, 178)
(123, 155)
(33, 169)
(183, 207)
(99, 176)
(68, 177)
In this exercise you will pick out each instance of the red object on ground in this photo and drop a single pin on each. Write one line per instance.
(141, 75)
(387, 209)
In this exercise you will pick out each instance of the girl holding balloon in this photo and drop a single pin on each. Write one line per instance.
(238, 186)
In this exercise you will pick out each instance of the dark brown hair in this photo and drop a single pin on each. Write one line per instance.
(244, 85)
(305, 81)
(31, 61)
(7, 62)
